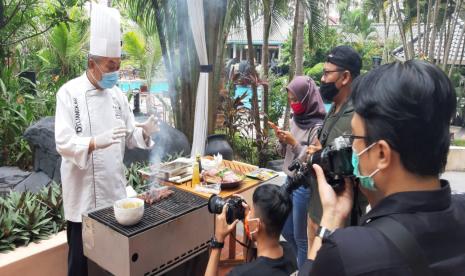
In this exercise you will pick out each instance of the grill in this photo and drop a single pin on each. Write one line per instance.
(176, 205)
(170, 232)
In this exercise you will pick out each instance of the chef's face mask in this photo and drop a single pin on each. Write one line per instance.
(108, 79)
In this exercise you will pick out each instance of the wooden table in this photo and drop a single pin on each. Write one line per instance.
(245, 189)
(245, 185)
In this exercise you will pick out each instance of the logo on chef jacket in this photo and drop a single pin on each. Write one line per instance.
(77, 117)
(117, 109)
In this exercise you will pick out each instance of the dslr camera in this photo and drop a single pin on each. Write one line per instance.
(234, 211)
(335, 160)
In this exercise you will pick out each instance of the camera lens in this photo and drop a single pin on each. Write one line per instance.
(215, 204)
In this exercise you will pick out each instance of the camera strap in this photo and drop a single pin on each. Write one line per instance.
(323, 137)
(313, 133)
(355, 213)
(405, 242)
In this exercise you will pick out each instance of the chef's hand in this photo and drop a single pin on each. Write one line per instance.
(286, 138)
(222, 228)
(336, 207)
(150, 127)
(109, 137)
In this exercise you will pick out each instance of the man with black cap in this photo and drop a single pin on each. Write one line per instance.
(342, 66)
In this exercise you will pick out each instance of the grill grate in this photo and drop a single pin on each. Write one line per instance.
(176, 205)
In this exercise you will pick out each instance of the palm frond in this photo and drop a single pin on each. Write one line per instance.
(315, 20)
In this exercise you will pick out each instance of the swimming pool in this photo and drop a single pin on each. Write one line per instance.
(241, 89)
(157, 87)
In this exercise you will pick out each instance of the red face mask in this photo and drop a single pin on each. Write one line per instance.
(298, 108)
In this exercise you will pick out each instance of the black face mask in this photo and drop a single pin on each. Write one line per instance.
(328, 91)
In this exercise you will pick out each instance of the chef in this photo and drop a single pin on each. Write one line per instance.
(93, 124)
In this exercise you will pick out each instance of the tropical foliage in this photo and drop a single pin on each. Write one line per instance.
(28, 217)
(53, 58)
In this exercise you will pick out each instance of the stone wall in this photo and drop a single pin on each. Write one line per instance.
(47, 161)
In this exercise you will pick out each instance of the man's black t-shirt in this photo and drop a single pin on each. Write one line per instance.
(285, 265)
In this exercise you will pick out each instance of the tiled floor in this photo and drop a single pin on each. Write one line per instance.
(224, 269)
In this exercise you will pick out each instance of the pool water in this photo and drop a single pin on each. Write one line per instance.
(241, 89)
(157, 87)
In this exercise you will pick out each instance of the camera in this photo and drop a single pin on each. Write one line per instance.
(335, 160)
(234, 211)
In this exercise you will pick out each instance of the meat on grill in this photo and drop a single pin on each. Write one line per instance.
(153, 195)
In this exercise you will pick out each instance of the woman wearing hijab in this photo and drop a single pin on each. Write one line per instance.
(308, 113)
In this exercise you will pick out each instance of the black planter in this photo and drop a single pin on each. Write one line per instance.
(218, 143)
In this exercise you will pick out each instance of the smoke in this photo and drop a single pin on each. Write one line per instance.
(169, 143)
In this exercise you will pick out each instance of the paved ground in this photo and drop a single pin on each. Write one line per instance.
(456, 180)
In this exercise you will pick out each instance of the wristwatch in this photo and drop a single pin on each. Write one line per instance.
(216, 244)
(323, 232)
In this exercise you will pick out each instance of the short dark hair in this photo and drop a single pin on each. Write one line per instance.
(272, 205)
(410, 106)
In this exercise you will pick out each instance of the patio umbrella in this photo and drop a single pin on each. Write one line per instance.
(195, 11)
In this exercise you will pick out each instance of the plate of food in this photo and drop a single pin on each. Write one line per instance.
(262, 174)
(227, 177)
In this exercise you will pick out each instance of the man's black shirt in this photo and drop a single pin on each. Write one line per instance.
(285, 265)
(435, 219)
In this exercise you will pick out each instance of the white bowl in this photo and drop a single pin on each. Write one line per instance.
(126, 214)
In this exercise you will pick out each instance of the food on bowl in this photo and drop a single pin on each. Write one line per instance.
(128, 211)
(130, 205)
(223, 176)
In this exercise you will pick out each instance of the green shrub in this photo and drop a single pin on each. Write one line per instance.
(459, 143)
(316, 72)
(278, 97)
(18, 110)
(28, 217)
(134, 178)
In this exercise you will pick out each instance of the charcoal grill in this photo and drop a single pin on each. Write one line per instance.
(171, 232)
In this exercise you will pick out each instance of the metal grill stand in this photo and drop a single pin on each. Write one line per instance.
(171, 232)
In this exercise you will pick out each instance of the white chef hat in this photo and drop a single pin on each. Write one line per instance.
(105, 32)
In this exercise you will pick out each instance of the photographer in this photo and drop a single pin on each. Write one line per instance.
(342, 67)
(400, 133)
(263, 223)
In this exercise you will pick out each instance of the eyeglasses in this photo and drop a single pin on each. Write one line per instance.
(352, 137)
(326, 72)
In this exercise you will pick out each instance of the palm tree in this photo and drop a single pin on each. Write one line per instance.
(63, 55)
(273, 12)
(381, 8)
(143, 49)
(357, 23)
(400, 25)
(315, 19)
(448, 42)
(267, 14)
(299, 47)
(253, 73)
(293, 61)
(215, 16)
(434, 31)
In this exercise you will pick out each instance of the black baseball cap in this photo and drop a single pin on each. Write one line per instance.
(347, 58)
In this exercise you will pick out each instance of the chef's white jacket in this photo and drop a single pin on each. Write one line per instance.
(96, 179)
